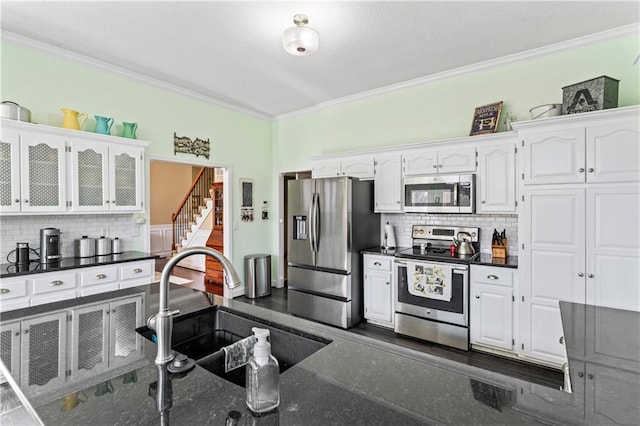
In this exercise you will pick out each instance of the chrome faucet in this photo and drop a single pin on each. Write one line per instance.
(162, 322)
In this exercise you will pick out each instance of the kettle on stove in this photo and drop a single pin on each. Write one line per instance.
(464, 247)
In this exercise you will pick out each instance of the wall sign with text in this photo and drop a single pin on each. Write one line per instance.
(486, 119)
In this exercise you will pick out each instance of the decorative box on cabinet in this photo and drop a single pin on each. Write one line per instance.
(491, 313)
(105, 173)
(439, 161)
(378, 289)
(388, 184)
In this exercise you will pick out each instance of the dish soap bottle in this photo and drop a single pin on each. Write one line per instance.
(263, 375)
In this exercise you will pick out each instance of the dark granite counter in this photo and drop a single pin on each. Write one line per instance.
(34, 267)
(488, 260)
(353, 380)
(383, 251)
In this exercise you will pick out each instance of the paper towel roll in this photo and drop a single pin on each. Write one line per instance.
(391, 236)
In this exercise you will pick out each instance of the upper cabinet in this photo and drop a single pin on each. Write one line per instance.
(602, 148)
(360, 167)
(37, 162)
(388, 184)
(496, 178)
(434, 161)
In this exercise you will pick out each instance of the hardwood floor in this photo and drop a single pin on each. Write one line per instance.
(277, 301)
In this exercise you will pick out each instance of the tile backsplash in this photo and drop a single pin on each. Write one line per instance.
(26, 229)
(487, 223)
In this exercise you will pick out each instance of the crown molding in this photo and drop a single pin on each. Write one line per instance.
(60, 53)
(521, 56)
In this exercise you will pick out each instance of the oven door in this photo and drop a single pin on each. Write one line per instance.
(453, 310)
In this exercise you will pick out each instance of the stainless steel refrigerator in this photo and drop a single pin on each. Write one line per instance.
(330, 221)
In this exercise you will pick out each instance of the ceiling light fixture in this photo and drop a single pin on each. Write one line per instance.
(300, 40)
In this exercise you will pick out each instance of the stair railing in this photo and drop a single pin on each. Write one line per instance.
(184, 215)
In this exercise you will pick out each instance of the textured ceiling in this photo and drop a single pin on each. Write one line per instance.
(232, 51)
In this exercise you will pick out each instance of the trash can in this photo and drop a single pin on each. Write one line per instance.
(257, 275)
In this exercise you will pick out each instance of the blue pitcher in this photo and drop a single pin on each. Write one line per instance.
(103, 124)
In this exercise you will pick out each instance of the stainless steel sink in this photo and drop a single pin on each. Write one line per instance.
(200, 335)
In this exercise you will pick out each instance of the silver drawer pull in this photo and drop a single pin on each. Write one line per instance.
(492, 277)
(4, 290)
(377, 263)
(101, 276)
(56, 282)
(137, 270)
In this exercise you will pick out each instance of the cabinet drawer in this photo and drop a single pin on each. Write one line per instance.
(12, 288)
(54, 283)
(379, 263)
(98, 276)
(492, 275)
(135, 270)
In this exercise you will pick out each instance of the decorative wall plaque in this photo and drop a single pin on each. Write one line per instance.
(185, 145)
(486, 119)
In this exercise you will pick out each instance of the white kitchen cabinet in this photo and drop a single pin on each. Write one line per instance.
(360, 167)
(106, 177)
(38, 162)
(439, 161)
(378, 289)
(491, 309)
(601, 147)
(132, 274)
(388, 184)
(10, 199)
(43, 352)
(52, 287)
(98, 279)
(14, 293)
(496, 179)
(104, 337)
(10, 347)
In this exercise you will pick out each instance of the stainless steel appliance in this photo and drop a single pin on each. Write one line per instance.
(84, 247)
(330, 221)
(439, 194)
(50, 245)
(432, 286)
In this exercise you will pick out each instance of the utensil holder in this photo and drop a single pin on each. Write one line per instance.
(500, 251)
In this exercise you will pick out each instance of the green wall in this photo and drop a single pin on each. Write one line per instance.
(242, 142)
(443, 109)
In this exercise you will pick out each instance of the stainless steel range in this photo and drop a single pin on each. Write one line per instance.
(432, 286)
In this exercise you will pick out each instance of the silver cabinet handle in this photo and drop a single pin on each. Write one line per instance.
(590, 275)
(388, 283)
(435, 166)
(590, 170)
(492, 277)
(26, 201)
(581, 170)
(4, 290)
(589, 376)
(101, 276)
(580, 374)
(439, 166)
(17, 200)
(137, 270)
(107, 202)
(56, 282)
(377, 263)
(477, 297)
(580, 274)
(398, 202)
(482, 202)
(562, 340)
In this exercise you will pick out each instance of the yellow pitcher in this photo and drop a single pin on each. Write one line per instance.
(71, 117)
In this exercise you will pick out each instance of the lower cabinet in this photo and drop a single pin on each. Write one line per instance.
(491, 307)
(49, 350)
(378, 290)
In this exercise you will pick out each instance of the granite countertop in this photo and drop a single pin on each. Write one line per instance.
(35, 267)
(384, 251)
(488, 260)
(352, 380)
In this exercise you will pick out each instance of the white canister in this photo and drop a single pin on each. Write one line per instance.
(103, 246)
(116, 246)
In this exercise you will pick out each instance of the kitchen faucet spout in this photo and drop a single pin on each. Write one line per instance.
(162, 322)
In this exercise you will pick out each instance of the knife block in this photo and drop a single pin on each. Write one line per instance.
(500, 251)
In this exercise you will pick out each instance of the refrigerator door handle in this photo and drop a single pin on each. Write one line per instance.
(311, 225)
(316, 222)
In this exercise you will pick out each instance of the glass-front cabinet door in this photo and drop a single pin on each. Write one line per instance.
(89, 177)
(125, 177)
(90, 340)
(10, 200)
(125, 344)
(43, 185)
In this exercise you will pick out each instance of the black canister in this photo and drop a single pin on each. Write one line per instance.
(22, 253)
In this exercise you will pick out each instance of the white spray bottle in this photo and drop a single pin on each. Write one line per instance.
(263, 375)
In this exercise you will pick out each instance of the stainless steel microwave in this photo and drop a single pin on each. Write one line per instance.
(440, 194)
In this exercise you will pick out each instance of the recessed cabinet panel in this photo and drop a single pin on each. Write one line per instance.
(496, 179)
(89, 179)
(388, 184)
(89, 340)
(125, 177)
(126, 344)
(378, 290)
(10, 347)
(492, 316)
(554, 156)
(613, 153)
(10, 200)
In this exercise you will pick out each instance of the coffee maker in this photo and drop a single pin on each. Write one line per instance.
(50, 245)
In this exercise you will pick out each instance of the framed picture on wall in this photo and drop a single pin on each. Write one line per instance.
(486, 119)
(246, 193)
